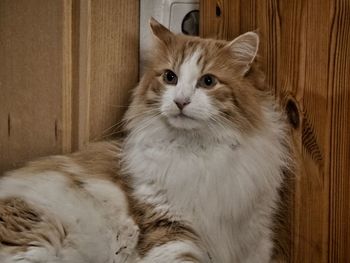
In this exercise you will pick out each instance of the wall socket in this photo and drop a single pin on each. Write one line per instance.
(180, 16)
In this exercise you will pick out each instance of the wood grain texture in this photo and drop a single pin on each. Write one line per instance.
(339, 145)
(67, 67)
(305, 53)
(34, 80)
(112, 58)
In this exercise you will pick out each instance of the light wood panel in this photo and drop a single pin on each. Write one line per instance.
(305, 53)
(35, 79)
(67, 67)
(109, 64)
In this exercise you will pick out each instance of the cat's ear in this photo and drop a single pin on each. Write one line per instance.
(244, 49)
(160, 31)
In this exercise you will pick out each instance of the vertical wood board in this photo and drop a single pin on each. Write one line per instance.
(67, 68)
(34, 79)
(112, 30)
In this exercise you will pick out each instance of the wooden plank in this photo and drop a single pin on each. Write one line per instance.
(339, 146)
(67, 75)
(81, 93)
(312, 190)
(67, 69)
(216, 17)
(109, 64)
(79, 99)
(34, 79)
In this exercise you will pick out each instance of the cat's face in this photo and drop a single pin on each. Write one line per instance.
(185, 101)
(198, 83)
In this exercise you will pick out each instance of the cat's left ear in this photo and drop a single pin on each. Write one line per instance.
(244, 49)
(161, 32)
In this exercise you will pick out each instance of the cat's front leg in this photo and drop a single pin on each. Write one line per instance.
(164, 235)
(176, 252)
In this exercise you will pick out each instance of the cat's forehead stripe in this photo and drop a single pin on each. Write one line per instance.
(186, 51)
(189, 69)
(197, 52)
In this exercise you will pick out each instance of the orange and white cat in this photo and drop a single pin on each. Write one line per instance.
(195, 180)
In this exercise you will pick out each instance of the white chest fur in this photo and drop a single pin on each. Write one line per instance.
(227, 190)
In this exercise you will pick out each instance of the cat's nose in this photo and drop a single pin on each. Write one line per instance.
(181, 103)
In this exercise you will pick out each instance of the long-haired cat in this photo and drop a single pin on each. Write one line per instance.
(195, 180)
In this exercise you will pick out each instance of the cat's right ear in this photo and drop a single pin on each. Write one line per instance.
(161, 32)
(244, 49)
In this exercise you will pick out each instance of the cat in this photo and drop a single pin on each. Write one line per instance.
(196, 178)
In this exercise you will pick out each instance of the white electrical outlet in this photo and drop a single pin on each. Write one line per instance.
(180, 16)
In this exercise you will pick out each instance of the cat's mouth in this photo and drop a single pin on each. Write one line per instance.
(183, 116)
(183, 121)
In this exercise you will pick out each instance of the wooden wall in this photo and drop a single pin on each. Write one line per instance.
(66, 69)
(306, 55)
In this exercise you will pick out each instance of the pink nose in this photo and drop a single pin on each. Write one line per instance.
(181, 103)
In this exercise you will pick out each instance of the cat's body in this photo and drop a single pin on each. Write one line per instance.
(195, 180)
(225, 189)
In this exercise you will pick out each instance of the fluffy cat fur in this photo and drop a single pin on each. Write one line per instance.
(195, 180)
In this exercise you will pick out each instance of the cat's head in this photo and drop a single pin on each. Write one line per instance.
(195, 84)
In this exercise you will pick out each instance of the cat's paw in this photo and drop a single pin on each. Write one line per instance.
(126, 241)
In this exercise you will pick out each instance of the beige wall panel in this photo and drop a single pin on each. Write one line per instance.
(34, 81)
(67, 68)
(108, 64)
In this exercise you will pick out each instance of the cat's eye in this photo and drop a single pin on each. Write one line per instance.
(169, 77)
(207, 81)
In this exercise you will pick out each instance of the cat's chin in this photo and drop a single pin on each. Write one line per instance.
(183, 122)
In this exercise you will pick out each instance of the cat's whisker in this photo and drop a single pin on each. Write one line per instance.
(143, 114)
(148, 122)
(106, 136)
(126, 106)
(119, 124)
(143, 126)
(224, 120)
(220, 121)
(103, 134)
(119, 106)
(115, 127)
(217, 132)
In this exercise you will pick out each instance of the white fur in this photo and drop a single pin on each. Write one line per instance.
(170, 253)
(93, 217)
(223, 182)
(199, 110)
